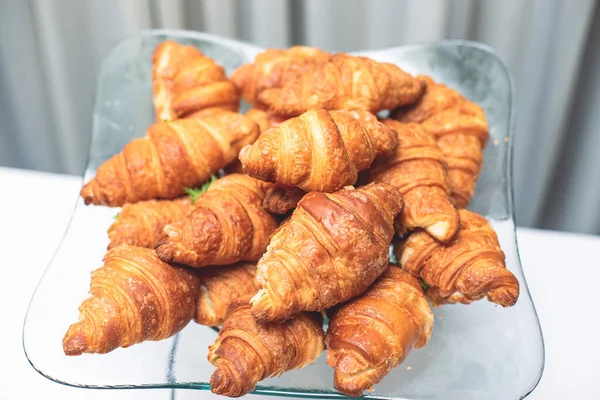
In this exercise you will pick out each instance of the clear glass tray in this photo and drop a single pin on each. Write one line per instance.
(477, 351)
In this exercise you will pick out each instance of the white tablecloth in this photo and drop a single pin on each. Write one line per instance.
(562, 271)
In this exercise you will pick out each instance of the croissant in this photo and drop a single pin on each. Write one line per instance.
(418, 169)
(272, 67)
(320, 150)
(372, 334)
(134, 297)
(221, 285)
(264, 119)
(140, 224)
(228, 224)
(174, 155)
(468, 268)
(330, 250)
(184, 81)
(343, 82)
(247, 352)
(461, 130)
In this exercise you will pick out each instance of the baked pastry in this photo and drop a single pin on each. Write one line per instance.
(372, 334)
(467, 268)
(343, 82)
(272, 67)
(320, 150)
(247, 351)
(173, 155)
(134, 297)
(140, 224)
(228, 224)
(185, 81)
(220, 286)
(331, 249)
(461, 131)
(418, 169)
(269, 259)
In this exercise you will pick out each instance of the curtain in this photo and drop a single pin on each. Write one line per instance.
(50, 51)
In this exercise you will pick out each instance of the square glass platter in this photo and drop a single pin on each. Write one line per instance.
(476, 351)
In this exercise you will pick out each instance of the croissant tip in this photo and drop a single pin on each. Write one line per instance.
(348, 390)
(222, 383)
(504, 296)
(261, 306)
(218, 381)
(244, 153)
(164, 250)
(349, 376)
(405, 254)
(347, 386)
(87, 194)
(75, 342)
(241, 75)
(443, 230)
(459, 201)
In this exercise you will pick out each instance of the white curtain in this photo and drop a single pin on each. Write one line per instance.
(50, 51)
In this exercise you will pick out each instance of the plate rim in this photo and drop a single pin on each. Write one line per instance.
(250, 50)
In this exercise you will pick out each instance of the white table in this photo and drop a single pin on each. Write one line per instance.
(562, 270)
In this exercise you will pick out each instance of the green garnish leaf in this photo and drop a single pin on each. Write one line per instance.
(166, 120)
(194, 193)
(215, 358)
(116, 217)
(424, 285)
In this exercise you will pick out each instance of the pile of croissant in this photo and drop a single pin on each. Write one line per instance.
(292, 209)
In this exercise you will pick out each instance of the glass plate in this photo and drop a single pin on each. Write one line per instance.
(477, 351)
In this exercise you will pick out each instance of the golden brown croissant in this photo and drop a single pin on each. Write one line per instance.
(185, 81)
(228, 224)
(174, 155)
(344, 82)
(247, 352)
(272, 67)
(264, 119)
(134, 297)
(418, 169)
(468, 268)
(330, 250)
(140, 224)
(221, 285)
(372, 334)
(320, 150)
(461, 130)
